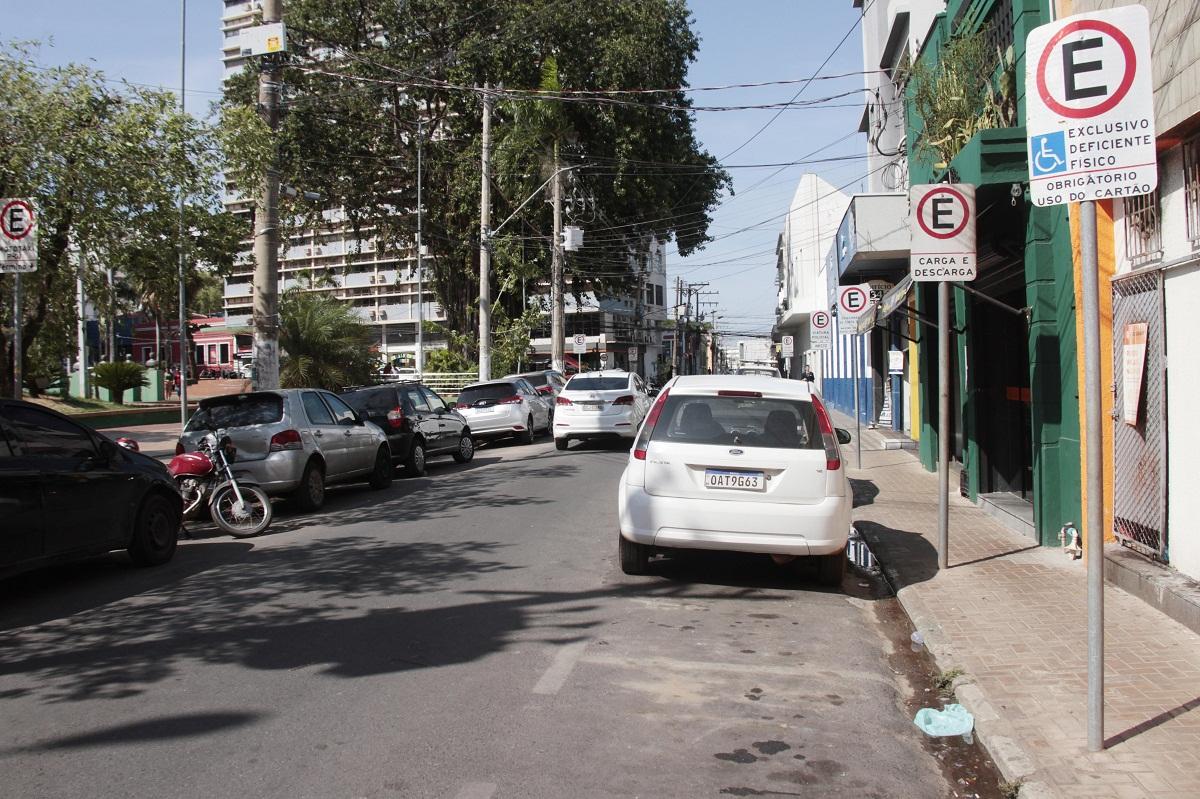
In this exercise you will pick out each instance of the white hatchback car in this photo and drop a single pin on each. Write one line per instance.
(504, 408)
(733, 462)
(600, 405)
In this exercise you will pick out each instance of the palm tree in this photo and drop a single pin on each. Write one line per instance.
(324, 343)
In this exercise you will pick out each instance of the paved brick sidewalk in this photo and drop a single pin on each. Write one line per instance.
(1013, 617)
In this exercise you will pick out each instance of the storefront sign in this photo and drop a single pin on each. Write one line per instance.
(1133, 369)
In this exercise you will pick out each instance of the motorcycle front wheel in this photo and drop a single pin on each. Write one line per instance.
(247, 518)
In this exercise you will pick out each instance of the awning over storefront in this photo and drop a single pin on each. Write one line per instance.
(886, 306)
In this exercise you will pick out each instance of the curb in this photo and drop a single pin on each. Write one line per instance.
(991, 729)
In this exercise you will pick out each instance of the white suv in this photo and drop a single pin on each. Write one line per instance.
(733, 462)
(600, 405)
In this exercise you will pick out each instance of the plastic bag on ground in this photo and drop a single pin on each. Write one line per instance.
(950, 720)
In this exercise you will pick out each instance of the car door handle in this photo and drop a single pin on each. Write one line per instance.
(318, 433)
(347, 434)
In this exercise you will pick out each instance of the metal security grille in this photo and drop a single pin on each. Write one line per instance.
(1140, 451)
(1191, 186)
(1143, 233)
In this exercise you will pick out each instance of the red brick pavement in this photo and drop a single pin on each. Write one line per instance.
(1013, 617)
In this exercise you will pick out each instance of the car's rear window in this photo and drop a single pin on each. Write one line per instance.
(237, 410)
(372, 401)
(744, 421)
(489, 391)
(583, 383)
(538, 379)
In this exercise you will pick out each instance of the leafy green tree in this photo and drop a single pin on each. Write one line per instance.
(324, 343)
(360, 73)
(120, 376)
(105, 168)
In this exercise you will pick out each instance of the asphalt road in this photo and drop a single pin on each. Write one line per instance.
(465, 635)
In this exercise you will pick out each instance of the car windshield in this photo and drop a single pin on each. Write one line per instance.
(488, 392)
(583, 383)
(237, 410)
(744, 421)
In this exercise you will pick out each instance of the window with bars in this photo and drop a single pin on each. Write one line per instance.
(1143, 227)
(1191, 187)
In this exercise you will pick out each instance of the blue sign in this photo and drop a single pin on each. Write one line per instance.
(1048, 153)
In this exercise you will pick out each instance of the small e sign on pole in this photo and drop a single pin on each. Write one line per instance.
(18, 254)
(1090, 119)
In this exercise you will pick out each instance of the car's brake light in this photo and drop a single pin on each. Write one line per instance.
(739, 394)
(833, 457)
(515, 399)
(643, 440)
(178, 447)
(545, 389)
(395, 417)
(288, 439)
(563, 401)
(625, 400)
(460, 405)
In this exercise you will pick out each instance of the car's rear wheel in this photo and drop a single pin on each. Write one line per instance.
(635, 557)
(831, 568)
(381, 475)
(561, 443)
(466, 449)
(415, 465)
(310, 494)
(156, 533)
(526, 437)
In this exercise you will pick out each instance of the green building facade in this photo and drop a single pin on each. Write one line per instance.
(1014, 392)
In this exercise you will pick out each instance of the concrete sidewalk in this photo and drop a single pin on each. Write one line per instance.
(1013, 617)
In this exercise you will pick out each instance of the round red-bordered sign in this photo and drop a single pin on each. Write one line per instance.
(962, 201)
(1109, 102)
(4, 220)
(820, 320)
(849, 291)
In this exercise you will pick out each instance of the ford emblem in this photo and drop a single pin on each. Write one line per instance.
(735, 452)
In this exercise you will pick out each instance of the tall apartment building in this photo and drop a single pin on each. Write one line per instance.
(380, 284)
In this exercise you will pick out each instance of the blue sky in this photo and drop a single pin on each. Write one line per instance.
(742, 42)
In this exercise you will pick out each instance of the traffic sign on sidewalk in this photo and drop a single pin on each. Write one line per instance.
(580, 343)
(943, 232)
(853, 302)
(18, 235)
(789, 346)
(821, 335)
(1090, 107)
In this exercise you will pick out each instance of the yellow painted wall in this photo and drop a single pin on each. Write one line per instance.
(1107, 258)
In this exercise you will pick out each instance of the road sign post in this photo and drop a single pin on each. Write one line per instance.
(942, 250)
(18, 254)
(821, 337)
(1090, 120)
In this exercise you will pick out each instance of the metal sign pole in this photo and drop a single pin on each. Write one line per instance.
(943, 435)
(854, 352)
(1090, 289)
(17, 336)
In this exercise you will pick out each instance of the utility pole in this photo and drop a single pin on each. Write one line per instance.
(266, 237)
(420, 264)
(558, 331)
(485, 243)
(81, 329)
(182, 232)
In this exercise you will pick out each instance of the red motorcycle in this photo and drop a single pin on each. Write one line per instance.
(238, 507)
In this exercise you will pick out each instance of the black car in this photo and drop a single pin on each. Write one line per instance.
(418, 423)
(67, 491)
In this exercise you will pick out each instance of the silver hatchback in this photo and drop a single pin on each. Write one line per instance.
(295, 441)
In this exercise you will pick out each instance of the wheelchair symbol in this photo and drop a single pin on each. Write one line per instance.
(1048, 153)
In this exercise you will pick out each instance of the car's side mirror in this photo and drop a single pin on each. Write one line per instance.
(440, 410)
(843, 436)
